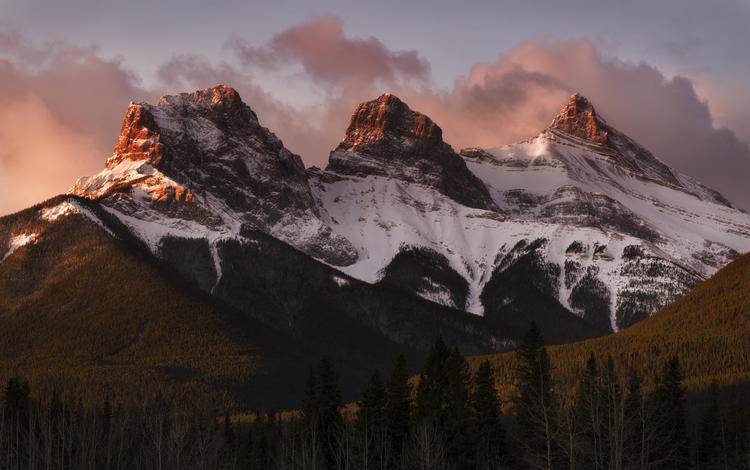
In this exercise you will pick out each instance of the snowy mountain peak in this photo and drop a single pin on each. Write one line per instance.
(579, 118)
(387, 138)
(386, 116)
(202, 161)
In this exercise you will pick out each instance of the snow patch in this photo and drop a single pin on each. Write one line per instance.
(340, 281)
(51, 214)
(17, 241)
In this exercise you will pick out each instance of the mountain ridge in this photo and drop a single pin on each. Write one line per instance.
(581, 218)
(393, 186)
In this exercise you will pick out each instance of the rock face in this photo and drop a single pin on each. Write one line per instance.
(386, 138)
(579, 119)
(204, 159)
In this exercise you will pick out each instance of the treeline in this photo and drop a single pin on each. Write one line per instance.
(451, 418)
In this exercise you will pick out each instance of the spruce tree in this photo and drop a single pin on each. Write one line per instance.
(614, 416)
(635, 424)
(321, 411)
(398, 409)
(590, 409)
(534, 403)
(328, 401)
(433, 384)
(670, 451)
(372, 404)
(711, 447)
(455, 419)
(371, 421)
(485, 407)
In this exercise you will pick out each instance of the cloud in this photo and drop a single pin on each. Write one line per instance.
(40, 160)
(61, 105)
(497, 103)
(520, 93)
(60, 110)
(328, 56)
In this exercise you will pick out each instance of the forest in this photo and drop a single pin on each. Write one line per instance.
(449, 417)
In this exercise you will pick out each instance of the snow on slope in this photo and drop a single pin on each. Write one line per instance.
(381, 215)
(620, 231)
(17, 241)
(686, 224)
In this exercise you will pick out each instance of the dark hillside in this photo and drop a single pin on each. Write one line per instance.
(708, 328)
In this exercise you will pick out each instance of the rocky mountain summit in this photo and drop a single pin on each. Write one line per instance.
(386, 138)
(580, 120)
(202, 161)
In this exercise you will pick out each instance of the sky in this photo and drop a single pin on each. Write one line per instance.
(672, 74)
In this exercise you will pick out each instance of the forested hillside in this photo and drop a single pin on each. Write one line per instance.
(708, 329)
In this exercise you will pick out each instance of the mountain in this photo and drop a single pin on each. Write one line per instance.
(85, 306)
(398, 240)
(200, 259)
(634, 234)
(203, 161)
(581, 214)
(83, 311)
(707, 328)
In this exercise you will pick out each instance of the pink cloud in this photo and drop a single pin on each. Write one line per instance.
(518, 95)
(60, 110)
(39, 160)
(72, 101)
(327, 55)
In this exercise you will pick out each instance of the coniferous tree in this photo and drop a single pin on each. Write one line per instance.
(442, 403)
(485, 406)
(433, 384)
(614, 419)
(321, 413)
(711, 445)
(535, 411)
(455, 418)
(635, 425)
(738, 435)
(590, 404)
(328, 410)
(372, 404)
(398, 410)
(670, 451)
(371, 422)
